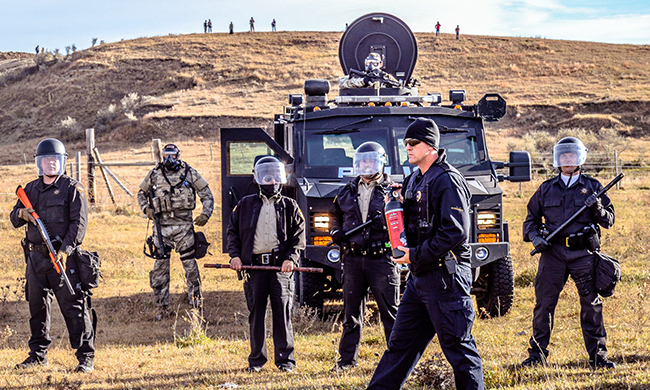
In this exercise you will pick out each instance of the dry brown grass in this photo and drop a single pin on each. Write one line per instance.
(136, 352)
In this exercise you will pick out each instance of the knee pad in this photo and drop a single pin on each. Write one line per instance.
(187, 254)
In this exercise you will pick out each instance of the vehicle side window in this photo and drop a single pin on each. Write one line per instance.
(241, 156)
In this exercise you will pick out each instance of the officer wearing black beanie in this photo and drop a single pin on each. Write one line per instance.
(436, 217)
(425, 130)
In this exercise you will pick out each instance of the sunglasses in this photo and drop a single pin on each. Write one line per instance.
(411, 142)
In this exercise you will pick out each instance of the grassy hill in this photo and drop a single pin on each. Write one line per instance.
(189, 85)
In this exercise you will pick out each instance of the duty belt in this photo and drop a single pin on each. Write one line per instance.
(572, 241)
(37, 248)
(263, 258)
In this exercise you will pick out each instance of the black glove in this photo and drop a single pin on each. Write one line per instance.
(338, 237)
(540, 244)
(594, 202)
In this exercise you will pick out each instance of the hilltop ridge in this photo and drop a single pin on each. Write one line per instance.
(192, 84)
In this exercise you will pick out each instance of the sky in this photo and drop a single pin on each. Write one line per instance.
(59, 23)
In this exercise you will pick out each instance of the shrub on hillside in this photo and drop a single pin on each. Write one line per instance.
(106, 115)
(71, 130)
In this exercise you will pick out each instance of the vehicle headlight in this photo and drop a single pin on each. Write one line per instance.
(322, 222)
(482, 253)
(487, 220)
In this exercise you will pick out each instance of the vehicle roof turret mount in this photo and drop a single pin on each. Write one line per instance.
(385, 35)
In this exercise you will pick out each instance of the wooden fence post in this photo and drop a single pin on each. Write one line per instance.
(90, 145)
(77, 172)
(156, 150)
(616, 171)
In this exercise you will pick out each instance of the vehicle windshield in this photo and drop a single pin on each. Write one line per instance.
(329, 153)
(461, 149)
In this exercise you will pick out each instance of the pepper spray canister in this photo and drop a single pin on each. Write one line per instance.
(395, 223)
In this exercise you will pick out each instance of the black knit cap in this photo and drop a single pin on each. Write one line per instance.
(425, 130)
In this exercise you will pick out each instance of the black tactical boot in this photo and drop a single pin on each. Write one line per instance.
(532, 361)
(601, 362)
(32, 361)
(162, 312)
(86, 364)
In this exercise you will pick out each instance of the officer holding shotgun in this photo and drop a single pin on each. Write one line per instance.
(568, 253)
(268, 228)
(60, 203)
(366, 263)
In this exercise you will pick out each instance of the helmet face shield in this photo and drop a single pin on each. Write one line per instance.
(373, 62)
(569, 155)
(368, 163)
(171, 157)
(272, 172)
(51, 164)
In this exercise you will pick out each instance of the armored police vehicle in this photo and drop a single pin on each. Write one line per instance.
(316, 137)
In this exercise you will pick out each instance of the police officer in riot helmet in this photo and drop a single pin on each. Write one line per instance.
(436, 300)
(175, 185)
(570, 252)
(373, 77)
(268, 229)
(365, 255)
(60, 202)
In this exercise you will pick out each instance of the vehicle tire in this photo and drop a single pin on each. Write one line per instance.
(494, 288)
(311, 289)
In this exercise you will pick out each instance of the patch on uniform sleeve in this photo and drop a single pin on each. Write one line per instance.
(79, 187)
(300, 214)
(459, 209)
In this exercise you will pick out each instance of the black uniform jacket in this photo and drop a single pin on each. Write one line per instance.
(346, 213)
(62, 207)
(440, 197)
(555, 204)
(243, 222)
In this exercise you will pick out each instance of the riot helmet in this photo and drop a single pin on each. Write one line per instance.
(50, 157)
(373, 62)
(569, 151)
(270, 174)
(369, 160)
(171, 157)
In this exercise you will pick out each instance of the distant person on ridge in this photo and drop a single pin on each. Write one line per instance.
(205, 27)
(437, 29)
(273, 25)
(231, 28)
(252, 24)
(209, 25)
(457, 31)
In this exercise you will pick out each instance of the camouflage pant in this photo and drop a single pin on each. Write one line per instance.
(181, 238)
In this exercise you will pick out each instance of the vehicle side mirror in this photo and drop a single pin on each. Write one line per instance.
(519, 167)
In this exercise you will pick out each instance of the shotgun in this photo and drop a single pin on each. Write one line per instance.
(583, 208)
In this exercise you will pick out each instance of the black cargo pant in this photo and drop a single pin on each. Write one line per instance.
(433, 303)
(42, 284)
(279, 287)
(552, 274)
(359, 273)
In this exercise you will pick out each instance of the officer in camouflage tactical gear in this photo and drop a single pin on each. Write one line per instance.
(175, 185)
